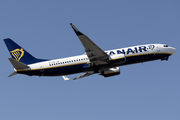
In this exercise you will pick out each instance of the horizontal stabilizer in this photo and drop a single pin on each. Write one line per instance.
(18, 65)
(14, 73)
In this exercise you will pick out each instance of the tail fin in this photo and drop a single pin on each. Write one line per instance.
(20, 54)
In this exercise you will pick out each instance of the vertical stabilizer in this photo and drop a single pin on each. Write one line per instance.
(20, 54)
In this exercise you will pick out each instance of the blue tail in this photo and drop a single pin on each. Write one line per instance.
(20, 54)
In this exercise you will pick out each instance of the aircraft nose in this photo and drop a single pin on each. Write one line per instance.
(173, 50)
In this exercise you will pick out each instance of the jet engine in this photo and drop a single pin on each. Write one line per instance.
(110, 72)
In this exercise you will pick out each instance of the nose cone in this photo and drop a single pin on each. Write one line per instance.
(173, 50)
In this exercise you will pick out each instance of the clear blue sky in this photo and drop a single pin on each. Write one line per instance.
(148, 91)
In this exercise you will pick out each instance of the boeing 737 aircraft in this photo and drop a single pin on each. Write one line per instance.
(93, 61)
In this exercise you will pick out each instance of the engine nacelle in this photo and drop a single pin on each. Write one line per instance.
(118, 58)
(111, 72)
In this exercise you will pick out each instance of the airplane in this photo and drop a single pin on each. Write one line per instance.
(93, 61)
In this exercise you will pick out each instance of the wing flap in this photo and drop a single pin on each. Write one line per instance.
(83, 75)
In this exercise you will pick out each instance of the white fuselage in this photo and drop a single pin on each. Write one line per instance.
(129, 52)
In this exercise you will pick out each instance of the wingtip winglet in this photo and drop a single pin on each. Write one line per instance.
(76, 30)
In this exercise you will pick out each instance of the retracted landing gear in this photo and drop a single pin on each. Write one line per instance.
(164, 58)
(96, 70)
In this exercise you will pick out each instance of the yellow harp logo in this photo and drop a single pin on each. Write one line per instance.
(17, 53)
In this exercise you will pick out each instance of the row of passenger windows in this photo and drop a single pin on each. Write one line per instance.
(70, 61)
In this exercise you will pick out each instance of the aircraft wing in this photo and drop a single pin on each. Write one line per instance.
(80, 76)
(95, 54)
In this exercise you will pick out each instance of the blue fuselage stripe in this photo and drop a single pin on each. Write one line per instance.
(72, 69)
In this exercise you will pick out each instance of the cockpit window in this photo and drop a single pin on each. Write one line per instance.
(165, 45)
